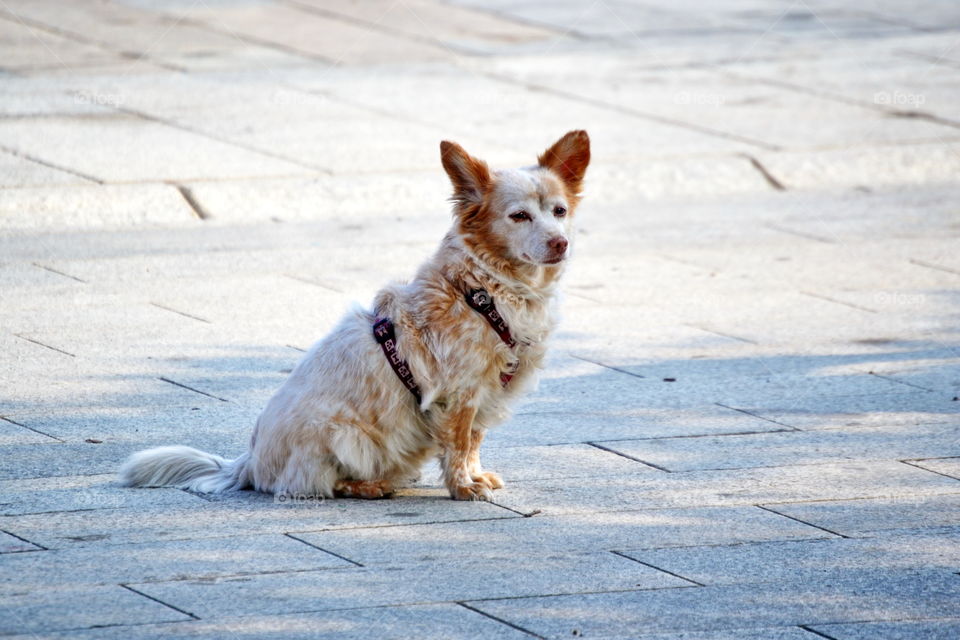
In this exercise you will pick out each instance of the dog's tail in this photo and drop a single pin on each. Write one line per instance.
(184, 468)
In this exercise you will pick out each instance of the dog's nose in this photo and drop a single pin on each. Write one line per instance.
(558, 245)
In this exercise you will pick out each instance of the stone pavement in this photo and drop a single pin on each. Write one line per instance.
(748, 428)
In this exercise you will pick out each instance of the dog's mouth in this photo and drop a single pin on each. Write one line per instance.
(551, 261)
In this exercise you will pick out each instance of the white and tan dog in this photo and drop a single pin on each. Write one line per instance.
(452, 348)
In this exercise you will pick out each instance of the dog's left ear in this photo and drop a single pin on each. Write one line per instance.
(470, 177)
(568, 158)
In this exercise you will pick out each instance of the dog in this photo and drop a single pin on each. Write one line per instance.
(434, 364)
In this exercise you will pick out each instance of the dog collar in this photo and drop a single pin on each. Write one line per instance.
(481, 302)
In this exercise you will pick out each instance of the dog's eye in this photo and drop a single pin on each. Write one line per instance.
(519, 216)
(559, 211)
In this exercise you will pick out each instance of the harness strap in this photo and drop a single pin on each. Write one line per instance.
(481, 302)
(386, 337)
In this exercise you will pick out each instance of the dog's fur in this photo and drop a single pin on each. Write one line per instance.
(344, 424)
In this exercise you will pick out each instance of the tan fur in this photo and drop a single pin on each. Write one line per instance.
(344, 424)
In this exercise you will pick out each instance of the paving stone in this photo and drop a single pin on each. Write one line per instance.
(777, 449)
(396, 584)
(77, 608)
(900, 630)
(808, 560)
(440, 621)
(879, 596)
(873, 479)
(203, 559)
(868, 516)
(79, 493)
(223, 515)
(100, 149)
(574, 533)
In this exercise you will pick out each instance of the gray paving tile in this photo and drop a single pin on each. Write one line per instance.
(947, 466)
(867, 479)
(792, 447)
(440, 621)
(77, 608)
(201, 559)
(871, 515)
(901, 630)
(542, 534)
(878, 596)
(227, 514)
(784, 561)
(423, 582)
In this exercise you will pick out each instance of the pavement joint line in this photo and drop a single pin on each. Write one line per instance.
(500, 620)
(22, 539)
(647, 564)
(910, 463)
(783, 515)
(700, 435)
(46, 346)
(563, 594)
(608, 366)
(820, 296)
(14, 422)
(406, 524)
(799, 234)
(628, 457)
(930, 265)
(50, 165)
(898, 381)
(720, 333)
(327, 551)
(188, 388)
(634, 112)
(178, 312)
(769, 177)
(807, 628)
(311, 281)
(757, 415)
(191, 199)
(59, 273)
(157, 600)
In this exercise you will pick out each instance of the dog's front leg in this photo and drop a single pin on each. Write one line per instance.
(477, 473)
(455, 437)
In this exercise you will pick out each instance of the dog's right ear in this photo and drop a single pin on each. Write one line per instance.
(470, 177)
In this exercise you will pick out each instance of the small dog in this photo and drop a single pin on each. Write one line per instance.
(432, 366)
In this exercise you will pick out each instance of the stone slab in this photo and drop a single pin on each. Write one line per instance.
(423, 582)
(203, 559)
(225, 514)
(867, 479)
(77, 608)
(790, 448)
(878, 596)
(573, 533)
(944, 629)
(434, 621)
(871, 516)
(808, 560)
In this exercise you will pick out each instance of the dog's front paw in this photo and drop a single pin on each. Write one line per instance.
(488, 478)
(475, 491)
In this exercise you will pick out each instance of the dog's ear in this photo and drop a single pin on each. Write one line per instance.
(470, 177)
(568, 158)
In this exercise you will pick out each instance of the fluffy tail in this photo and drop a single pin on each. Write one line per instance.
(184, 468)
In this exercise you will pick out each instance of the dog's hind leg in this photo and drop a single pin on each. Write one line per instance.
(368, 489)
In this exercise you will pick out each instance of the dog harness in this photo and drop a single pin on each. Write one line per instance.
(481, 302)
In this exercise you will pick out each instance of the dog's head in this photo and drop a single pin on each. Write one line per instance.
(523, 216)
